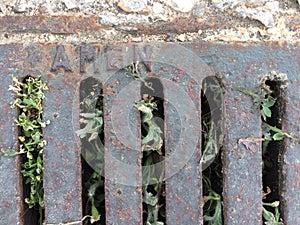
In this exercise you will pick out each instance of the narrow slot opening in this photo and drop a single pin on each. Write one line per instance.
(92, 150)
(30, 133)
(211, 159)
(154, 201)
(272, 152)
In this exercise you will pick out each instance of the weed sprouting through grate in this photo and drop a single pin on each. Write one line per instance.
(92, 149)
(211, 161)
(152, 114)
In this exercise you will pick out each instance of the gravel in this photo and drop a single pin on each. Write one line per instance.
(252, 20)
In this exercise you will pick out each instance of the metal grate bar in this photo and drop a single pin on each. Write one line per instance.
(10, 179)
(291, 159)
(182, 146)
(123, 193)
(242, 169)
(62, 156)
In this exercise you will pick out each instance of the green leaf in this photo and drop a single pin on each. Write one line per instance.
(269, 102)
(149, 199)
(262, 113)
(278, 136)
(88, 115)
(93, 136)
(268, 216)
(9, 152)
(95, 212)
(267, 111)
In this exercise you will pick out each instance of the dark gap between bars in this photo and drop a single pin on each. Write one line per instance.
(91, 100)
(273, 151)
(158, 114)
(212, 177)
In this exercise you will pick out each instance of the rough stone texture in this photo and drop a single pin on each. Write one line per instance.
(163, 20)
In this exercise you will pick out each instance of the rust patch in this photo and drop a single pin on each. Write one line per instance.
(191, 84)
(50, 24)
(181, 25)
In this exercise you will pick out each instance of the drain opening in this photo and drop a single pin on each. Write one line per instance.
(211, 160)
(152, 129)
(29, 101)
(92, 150)
(272, 154)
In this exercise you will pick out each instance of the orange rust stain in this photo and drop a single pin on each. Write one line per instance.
(191, 89)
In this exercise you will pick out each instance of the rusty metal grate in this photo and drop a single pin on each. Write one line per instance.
(181, 69)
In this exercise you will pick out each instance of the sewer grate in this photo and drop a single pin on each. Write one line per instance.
(180, 69)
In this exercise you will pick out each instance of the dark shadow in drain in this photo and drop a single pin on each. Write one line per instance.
(273, 150)
(92, 150)
(153, 152)
(211, 159)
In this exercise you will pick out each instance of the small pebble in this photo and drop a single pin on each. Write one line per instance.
(157, 8)
(181, 37)
(181, 6)
(199, 10)
(21, 7)
(272, 6)
(70, 4)
(259, 13)
(137, 39)
(255, 3)
(265, 17)
(169, 38)
(3, 9)
(133, 5)
(296, 22)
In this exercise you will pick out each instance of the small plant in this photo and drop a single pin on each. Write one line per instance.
(263, 100)
(211, 165)
(93, 123)
(153, 140)
(213, 204)
(211, 148)
(270, 217)
(152, 143)
(91, 120)
(30, 95)
(133, 71)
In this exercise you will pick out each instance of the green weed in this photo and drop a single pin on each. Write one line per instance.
(270, 217)
(213, 204)
(152, 143)
(30, 95)
(95, 155)
(133, 71)
(212, 125)
(91, 121)
(263, 100)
